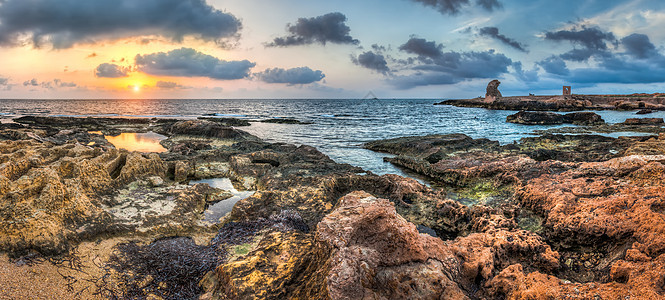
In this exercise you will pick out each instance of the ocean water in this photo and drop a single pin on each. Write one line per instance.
(338, 129)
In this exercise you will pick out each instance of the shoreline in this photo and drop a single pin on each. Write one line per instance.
(573, 102)
(503, 219)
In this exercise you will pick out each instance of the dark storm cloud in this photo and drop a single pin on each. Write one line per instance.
(554, 65)
(372, 61)
(640, 63)
(452, 7)
(301, 75)
(592, 39)
(589, 37)
(187, 62)
(64, 23)
(107, 70)
(581, 54)
(434, 67)
(422, 48)
(639, 46)
(493, 32)
(489, 5)
(329, 28)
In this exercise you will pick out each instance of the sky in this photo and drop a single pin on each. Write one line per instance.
(234, 49)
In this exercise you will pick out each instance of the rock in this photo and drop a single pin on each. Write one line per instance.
(395, 254)
(227, 121)
(643, 121)
(492, 91)
(284, 121)
(155, 181)
(569, 103)
(550, 118)
(583, 118)
(207, 129)
(181, 172)
(431, 147)
(536, 118)
(644, 112)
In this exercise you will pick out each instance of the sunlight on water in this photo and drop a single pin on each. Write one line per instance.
(141, 142)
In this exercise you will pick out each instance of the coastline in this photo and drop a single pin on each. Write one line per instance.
(566, 103)
(548, 215)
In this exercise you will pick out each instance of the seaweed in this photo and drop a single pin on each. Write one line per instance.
(172, 267)
(168, 268)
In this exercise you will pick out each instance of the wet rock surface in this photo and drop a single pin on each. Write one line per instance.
(550, 118)
(593, 200)
(551, 216)
(284, 121)
(644, 121)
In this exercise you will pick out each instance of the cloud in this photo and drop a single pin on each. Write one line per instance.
(328, 28)
(60, 83)
(168, 85)
(63, 23)
(592, 39)
(554, 65)
(489, 5)
(107, 70)
(422, 48)
(55, 83)
(639, 46)
(640, 63)
(580, 55)
(301, 75)
(589, 37)
(434, 67)
(372, 61)
(4, 84)
(32, 82)
(453, 7)
(187, 62)
(526, 76)
(493, 32)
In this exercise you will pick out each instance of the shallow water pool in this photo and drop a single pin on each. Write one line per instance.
(221, 208)
(141, 142)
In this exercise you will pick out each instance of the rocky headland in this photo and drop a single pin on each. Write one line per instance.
(566, 103)
(548, 217)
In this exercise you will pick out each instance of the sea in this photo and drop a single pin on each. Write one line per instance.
(339, 127)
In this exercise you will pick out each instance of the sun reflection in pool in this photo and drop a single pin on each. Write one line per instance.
(141, 142)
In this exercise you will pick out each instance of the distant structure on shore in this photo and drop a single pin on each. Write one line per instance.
(567, 91)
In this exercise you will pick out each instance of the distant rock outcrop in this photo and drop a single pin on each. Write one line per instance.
(493, 91)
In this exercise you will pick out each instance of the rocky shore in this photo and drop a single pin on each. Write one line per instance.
(646, 102)
(548, 217)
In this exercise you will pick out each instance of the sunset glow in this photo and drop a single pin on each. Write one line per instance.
(272, 52)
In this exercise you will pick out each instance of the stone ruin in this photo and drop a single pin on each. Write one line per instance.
(567, 91)
(493, 91)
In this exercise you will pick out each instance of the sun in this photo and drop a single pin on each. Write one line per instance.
(137, 88)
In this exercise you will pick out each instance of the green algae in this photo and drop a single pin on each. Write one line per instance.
(482, 192)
